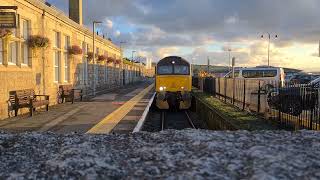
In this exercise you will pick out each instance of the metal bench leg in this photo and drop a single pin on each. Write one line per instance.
(16, 112)
(31, 111)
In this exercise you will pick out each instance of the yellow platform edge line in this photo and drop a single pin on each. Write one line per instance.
(106, 125)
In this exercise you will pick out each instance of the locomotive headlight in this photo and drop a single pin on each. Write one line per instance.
(162, 88)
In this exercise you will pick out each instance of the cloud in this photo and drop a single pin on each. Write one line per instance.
(169, 27)
(109, 23)
(117, 33)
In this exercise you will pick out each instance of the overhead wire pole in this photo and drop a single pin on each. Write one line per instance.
(229, 50)
(94, 54)
(208, 65)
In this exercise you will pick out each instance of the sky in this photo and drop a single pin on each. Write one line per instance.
(201, 29)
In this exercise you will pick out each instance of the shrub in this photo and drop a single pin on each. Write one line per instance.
(38, 41)
(74, 50)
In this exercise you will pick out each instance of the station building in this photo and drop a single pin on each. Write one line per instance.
(46, 67)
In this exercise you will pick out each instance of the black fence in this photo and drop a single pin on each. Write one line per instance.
(293, 107)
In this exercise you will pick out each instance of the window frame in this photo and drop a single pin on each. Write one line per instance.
(10, 57)
(1, 52)
(25, 60)
(57, 51)
(66, 65)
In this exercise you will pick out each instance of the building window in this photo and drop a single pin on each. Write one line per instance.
(84, 68)
(1, 52)
(24, 44)
(66, 68)
(56, 43)
(13, 52)
(56, 57)
(66, 42)
(66, 59)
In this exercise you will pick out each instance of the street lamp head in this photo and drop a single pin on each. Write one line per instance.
(97, 22)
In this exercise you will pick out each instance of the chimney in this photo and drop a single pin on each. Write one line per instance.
(75, 11)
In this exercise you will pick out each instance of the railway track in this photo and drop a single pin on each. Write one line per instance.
(155, 120)
(176, 120)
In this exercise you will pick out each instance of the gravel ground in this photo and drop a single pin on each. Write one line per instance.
(186, 154)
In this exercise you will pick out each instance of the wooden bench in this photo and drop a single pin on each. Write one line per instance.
(69, 92)
(27, 99)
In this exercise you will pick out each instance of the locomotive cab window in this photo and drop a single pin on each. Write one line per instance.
(165, 69)
(181, 69)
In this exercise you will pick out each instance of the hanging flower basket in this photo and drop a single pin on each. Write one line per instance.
(102, 58)
(4, 33)
(90, 56)
(74, 50)
(118, 61)
(38, 41)
(110, 60)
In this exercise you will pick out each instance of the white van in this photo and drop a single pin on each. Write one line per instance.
(266, 74)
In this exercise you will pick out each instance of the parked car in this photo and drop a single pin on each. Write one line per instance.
(295, 98)
(302, 78)
(271, 76)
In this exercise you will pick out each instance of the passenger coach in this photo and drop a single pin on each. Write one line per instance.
(173, 83)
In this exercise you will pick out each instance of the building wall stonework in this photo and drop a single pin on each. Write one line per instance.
(39, 72)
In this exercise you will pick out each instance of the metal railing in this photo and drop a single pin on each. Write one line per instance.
(293, 107)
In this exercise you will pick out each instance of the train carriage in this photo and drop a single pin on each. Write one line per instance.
(173, 83)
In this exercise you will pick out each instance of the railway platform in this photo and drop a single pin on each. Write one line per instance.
(117, 111)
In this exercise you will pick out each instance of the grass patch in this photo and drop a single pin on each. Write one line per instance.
(241, 119)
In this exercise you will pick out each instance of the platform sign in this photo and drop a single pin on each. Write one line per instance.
(8, 20)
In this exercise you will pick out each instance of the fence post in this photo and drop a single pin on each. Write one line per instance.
(259, 97)
(219, 88)
(225, 89)
(214, 87)
(244, 95)
(311, 119)
(233, 90)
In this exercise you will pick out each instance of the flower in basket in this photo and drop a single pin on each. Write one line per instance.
(118, 61)
(38, 41)
(90, 56)
(102, 57)
(74, 50)
(110, 60)
(5, 33)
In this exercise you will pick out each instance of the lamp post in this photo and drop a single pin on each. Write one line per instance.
(94, 54)
(132, 65)
(123, 74)
(269, 38)
(229, 50)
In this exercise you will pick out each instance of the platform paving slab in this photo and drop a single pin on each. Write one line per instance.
(67, 118)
